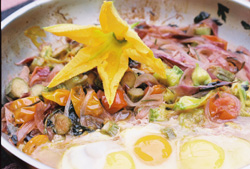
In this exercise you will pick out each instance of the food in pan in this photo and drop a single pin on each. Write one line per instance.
(132, 96)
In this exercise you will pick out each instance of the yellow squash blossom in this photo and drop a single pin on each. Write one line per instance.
(108, 48)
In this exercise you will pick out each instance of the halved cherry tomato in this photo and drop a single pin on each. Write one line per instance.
(34, 143)
(22, 110)
(219, 42)
(223, 106)
(77, 96)
(118, 103)
(60, 96)
(92, 105)
(157, 89)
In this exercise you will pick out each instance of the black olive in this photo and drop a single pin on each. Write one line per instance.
(239, 52)
(78, 129)
(217, 22)
(133, 64)
(27, 138)
(202, 16)
(173, 25)
(14, 139)
(213, 83)
(143, 86)
(245, 87)
(72, 114)
(97, 85)
(49, 123)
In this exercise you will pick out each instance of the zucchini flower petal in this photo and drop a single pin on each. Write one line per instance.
(108, 48)
(87, 35)
(86, 59)
(148, 59)
(111, 21)
(111, 72)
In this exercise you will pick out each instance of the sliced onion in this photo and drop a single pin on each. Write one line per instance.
(169, 60)
(66, 108)
(145, 78)
(186, 77)
(122, 115)
(85, 101)
(25, 129)
(26, 60)
(143, 113)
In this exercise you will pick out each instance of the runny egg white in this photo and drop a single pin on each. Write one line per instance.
(145, 147)
(102, 154)
(214, 152)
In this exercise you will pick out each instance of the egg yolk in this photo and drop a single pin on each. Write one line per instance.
(152, 149)
(120, 159)
(199, 154)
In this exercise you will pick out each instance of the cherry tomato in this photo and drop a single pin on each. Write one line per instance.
(219, 42)
(77, 96)
(34, 143)
(22, 110)
(92, 105)
(118, 103)
(158, 89)
(223, 106)
(60, 96)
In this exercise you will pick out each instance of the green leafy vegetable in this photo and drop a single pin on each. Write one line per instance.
(110, 128)
(169, 96)
(200, 76)
(192, 118)
(188, 102)
(158, 114)
(168, 132)
(173, 76)
(222, 74)
(204, 30)
(134, 24)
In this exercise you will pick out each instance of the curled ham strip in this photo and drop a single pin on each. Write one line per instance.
(39, 75)
(39, 116)
(145, 78)
(25, 74)
(9, 116)
(26, 60)
(53, 73)
(25, 129)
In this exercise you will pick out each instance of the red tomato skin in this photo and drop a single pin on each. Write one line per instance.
(118, 104)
